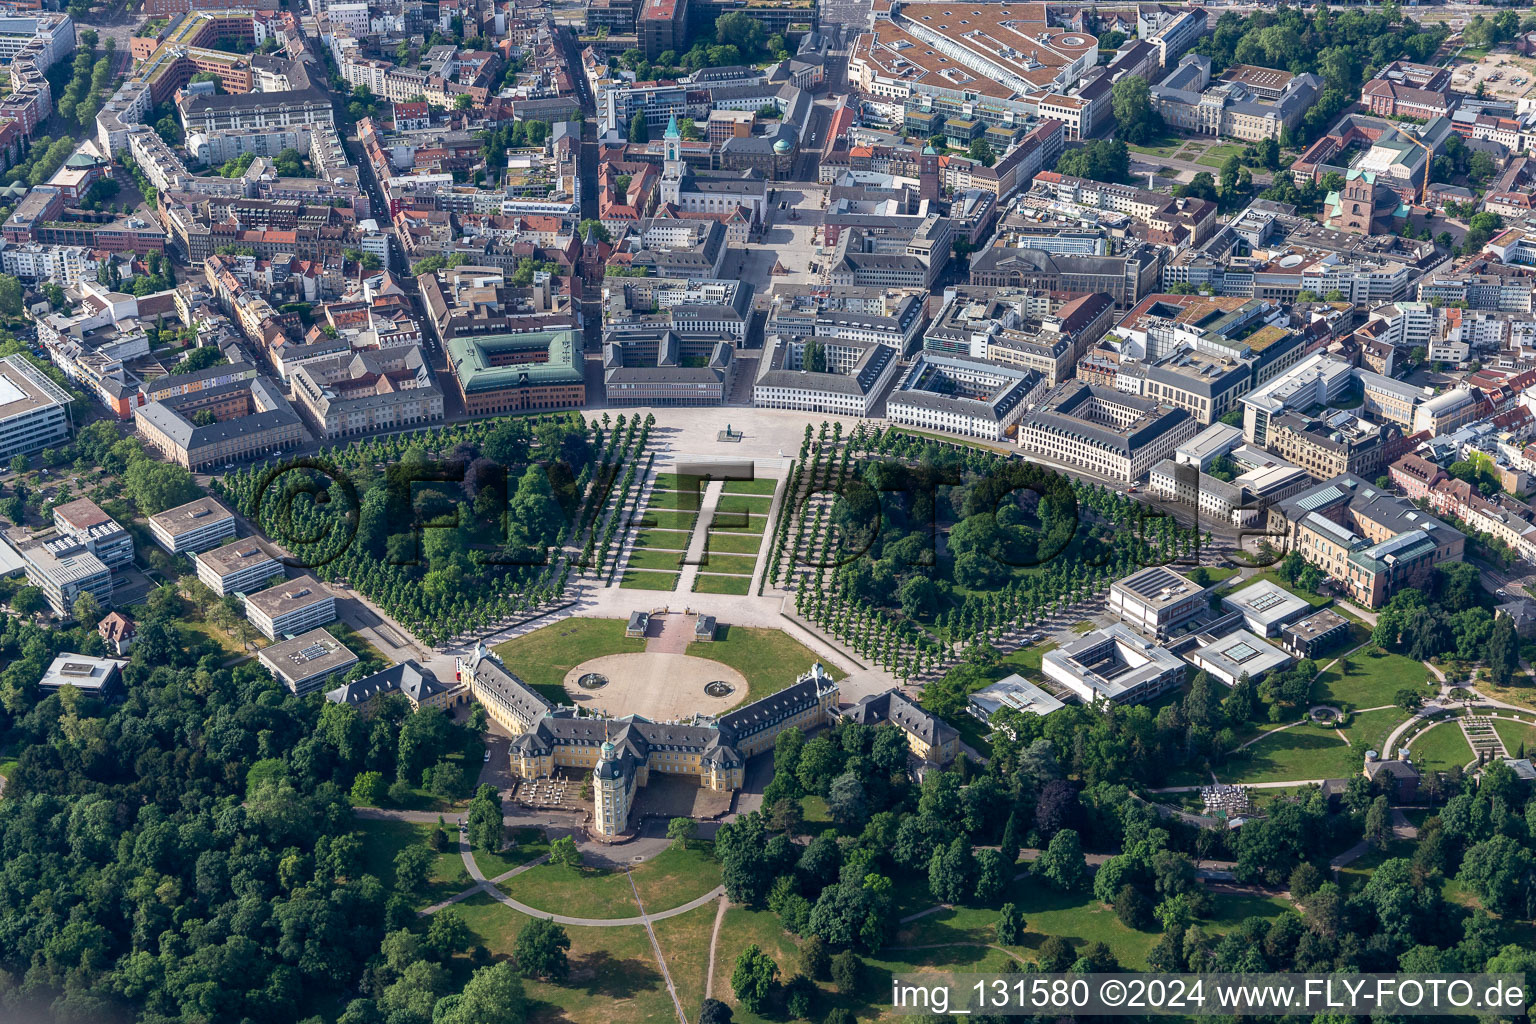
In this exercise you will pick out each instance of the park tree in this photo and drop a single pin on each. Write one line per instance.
(1503, 651)
(847, 971)
(563, 851)
(639, 131)
(541, 950)
(680, 831)
(493, 995)
(368, 789)
(754, 977)
(483, 826)
(1010, 925)
(1136, 121)
(411, 866)
(713, 1011)
(815, 961)
(1062, 863)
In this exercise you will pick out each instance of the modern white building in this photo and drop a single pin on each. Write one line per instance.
(84, 523)
(96, 677)
(292, 607)
(236, 568)
(1265, 606)
(1014, 692)
(195, 526)
(1156, 600)
(1115, 664)
(61, 572)
(34, 411)
(304, 663)
(1240, 654)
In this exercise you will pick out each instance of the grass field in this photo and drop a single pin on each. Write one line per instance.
(735, 523)
(670, 540)
(770, 659)
(671, 878)
(740, 929)
(649, 581)
(646, 559)
(684, 501)
(614, 977)
(1512, 733)
(383, 841)
(684, 942)
(1311, 752)
(739, 564)
(757, 505)
(543, 657)
(527, 844)
(704, 584)
(1373, 680)
(751, 487)
(666, 519)
(730, 543)
(674, 482)
(1440, 747)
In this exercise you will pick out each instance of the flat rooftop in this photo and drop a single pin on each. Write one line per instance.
(1266, 602)
(1157, 586)
(235, 556)
(307, 655)
(194, 515)
(289, 596)
(1241, 652)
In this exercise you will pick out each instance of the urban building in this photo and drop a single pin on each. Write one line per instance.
(34, 411)
(61, 572)
(195, 526)
(1114, 664)
(1231, 657)
(83, 522)
(1108, 433)
(1156, 600)
(93, 677)
(503, 373)
(857, 375)
(304, 663)
(962, 395)
(1265, 606)
(236, 568)
(290, 607)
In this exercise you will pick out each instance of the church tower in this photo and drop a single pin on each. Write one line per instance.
(674, 170)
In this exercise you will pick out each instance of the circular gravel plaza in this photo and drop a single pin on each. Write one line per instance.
(661, 687)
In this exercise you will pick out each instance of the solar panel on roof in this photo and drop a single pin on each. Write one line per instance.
(1240, 652)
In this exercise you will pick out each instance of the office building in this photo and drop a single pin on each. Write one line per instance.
(236, 568)
(291, 607)
(304, 663)
(1114, 664)
(84, 522)
(195, 526)
(34, 411)
(1156, 600)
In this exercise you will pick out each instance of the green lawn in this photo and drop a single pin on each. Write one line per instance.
(671, 540)
(543, 657)
(614, 976)
(666, 560)
(674, 482)
(753, 504)
(1224, 150)
(1209, 161)
(1512, 733)
(1440, 747)
(751, 486)
(673, 876)
(731, 543)
(1373, 680)
(740, 929)
(684, 942)
(1074, 916)
(527, 844)
(666, 519)
(641, 580)
(669, 879)
(383, 840)
(704, 584)
(1311, 751)
(739, 564)
(685, 501)
(770, 659)
(1026, 661)
(735, 522)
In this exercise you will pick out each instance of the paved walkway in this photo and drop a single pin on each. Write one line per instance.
(707, 505)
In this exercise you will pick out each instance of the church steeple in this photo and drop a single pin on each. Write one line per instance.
(672, 132)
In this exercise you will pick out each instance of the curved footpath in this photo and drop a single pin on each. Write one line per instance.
(488, 885)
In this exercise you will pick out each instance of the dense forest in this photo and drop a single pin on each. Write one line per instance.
(189, 853)
(1059, 787)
